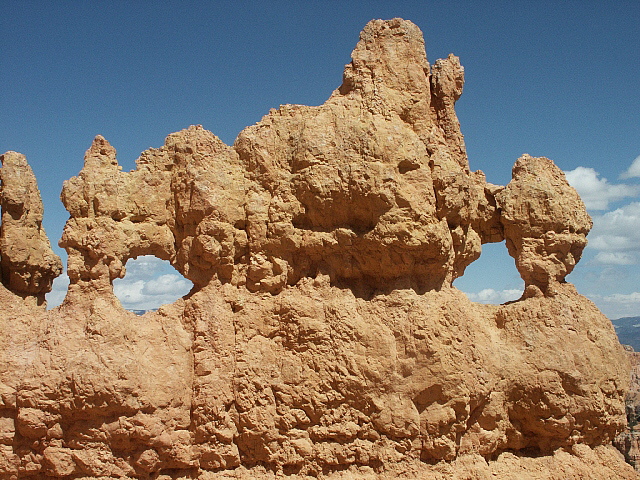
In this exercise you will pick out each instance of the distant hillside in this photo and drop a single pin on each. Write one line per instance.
(142, 312)
(628, 330)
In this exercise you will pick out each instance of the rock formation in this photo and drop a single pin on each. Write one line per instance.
(545, 223)
(323, 336)
(628, 442)
(28, 265)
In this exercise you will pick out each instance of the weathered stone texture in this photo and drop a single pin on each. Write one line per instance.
(28, 265)
(545, 223)
(323, 336)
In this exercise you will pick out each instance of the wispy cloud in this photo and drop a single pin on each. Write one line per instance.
(618, 305)
(614, 258)
(633, 170)
(58, 291)
(597, 192)
(489, 295)
(147, 285)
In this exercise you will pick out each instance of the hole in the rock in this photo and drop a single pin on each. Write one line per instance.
(58, 290)
(149, 283)
(493, 278)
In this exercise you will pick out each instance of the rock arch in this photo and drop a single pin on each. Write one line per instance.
(150, 283)
(322, 333)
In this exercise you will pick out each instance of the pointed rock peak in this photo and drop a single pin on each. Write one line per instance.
(399, 30)
(102, 151)
(27, 264)
(195, 138)
(12, 158)
(391, 53)
(101, 146)
(448, 77)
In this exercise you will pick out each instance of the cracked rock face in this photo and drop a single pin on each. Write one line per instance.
(322, 335)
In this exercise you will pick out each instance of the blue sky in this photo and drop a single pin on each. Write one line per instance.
(554, 79)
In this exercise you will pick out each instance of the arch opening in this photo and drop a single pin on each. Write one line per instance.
(58, 289)
(150, 283)
(492, 278)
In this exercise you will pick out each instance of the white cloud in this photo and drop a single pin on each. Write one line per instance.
(489, 295)
(145, 266)
(147, 285)
(631, 298)
(58, 291)
(617, 231)
(167, 285)
(615, 258)
(633, 170)
(618, 305)
(597, 192)
(129, 293)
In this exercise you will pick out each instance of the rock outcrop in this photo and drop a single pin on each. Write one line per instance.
(628, 442)
(28, 265)
(323, 336)
(545, 224)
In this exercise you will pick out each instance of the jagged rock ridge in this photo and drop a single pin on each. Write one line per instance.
(322, 335)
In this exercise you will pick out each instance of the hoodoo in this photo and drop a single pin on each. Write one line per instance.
(323, 336)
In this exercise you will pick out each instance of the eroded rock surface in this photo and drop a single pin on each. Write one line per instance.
(323, 336)
(628, 442)
(545, 223)
(28, 265)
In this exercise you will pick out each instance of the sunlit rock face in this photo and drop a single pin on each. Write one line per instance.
(27, 263)
(545, 224)
(322, 335)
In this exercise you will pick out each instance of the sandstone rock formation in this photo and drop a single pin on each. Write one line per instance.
(323, 336)
(28, 265)
(628, 442)
(545, 223)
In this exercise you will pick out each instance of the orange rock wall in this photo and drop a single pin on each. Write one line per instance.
(323, 336)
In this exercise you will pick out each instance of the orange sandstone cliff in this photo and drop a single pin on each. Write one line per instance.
(322, 337)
